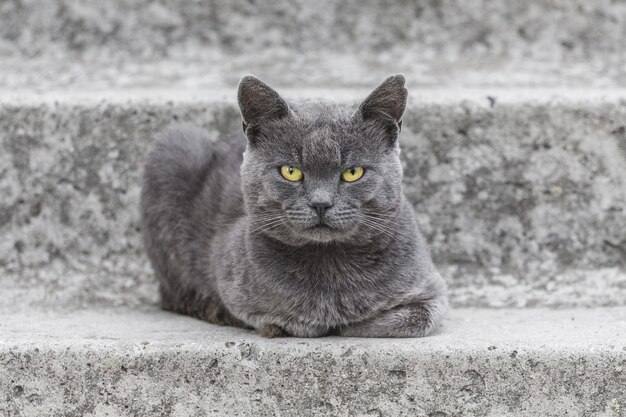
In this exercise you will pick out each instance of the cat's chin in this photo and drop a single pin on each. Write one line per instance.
(323, 234)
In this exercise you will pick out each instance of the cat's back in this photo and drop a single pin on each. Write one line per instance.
(184, 161)
(191, 188)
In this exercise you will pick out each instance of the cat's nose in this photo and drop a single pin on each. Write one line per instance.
(320, 208)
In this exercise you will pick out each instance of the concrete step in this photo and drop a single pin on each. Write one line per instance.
(482, 363)
(476, 42)
(45, 74)
(521, 193)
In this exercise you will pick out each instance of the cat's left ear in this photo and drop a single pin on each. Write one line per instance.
(386, 104)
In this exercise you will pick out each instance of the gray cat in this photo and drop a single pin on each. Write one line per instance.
(302, 231)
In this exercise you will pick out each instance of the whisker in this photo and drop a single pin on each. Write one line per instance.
(380, 213)
(271, 216)
(260, 221)
(275, 222)
(378, 227)
(266, 228)
(384, 226)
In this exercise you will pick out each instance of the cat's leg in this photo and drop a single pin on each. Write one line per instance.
(298, 329)
(293, 329)
(209, 309)
(415, 319)
(272, 331)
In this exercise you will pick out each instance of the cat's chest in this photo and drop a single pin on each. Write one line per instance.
(332, 287)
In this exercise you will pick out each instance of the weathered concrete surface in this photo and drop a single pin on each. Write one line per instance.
(211, 43)
(522, 200)
(483, 363)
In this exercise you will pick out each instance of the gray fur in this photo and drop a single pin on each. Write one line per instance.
(232, 242)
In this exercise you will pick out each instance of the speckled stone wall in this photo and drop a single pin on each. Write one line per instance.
(523, 201)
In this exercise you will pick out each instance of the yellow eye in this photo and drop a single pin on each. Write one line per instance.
(291, 173)
(352, 174)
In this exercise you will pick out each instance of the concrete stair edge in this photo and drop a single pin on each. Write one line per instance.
(482, 363)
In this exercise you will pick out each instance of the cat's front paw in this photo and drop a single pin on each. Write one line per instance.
(272, 331)
(412, 320)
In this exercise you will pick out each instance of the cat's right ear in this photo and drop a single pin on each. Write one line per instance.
(259, 103)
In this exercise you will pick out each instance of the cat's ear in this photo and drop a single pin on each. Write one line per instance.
(386, 104)
(258, 103)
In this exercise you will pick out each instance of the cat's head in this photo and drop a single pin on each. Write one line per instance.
(319, 172)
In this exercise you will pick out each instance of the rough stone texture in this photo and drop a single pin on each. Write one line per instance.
(484, 363)
(212, 43)
(522, 195)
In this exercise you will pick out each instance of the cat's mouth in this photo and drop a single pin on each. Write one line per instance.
(318, 229)
(321, 226)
